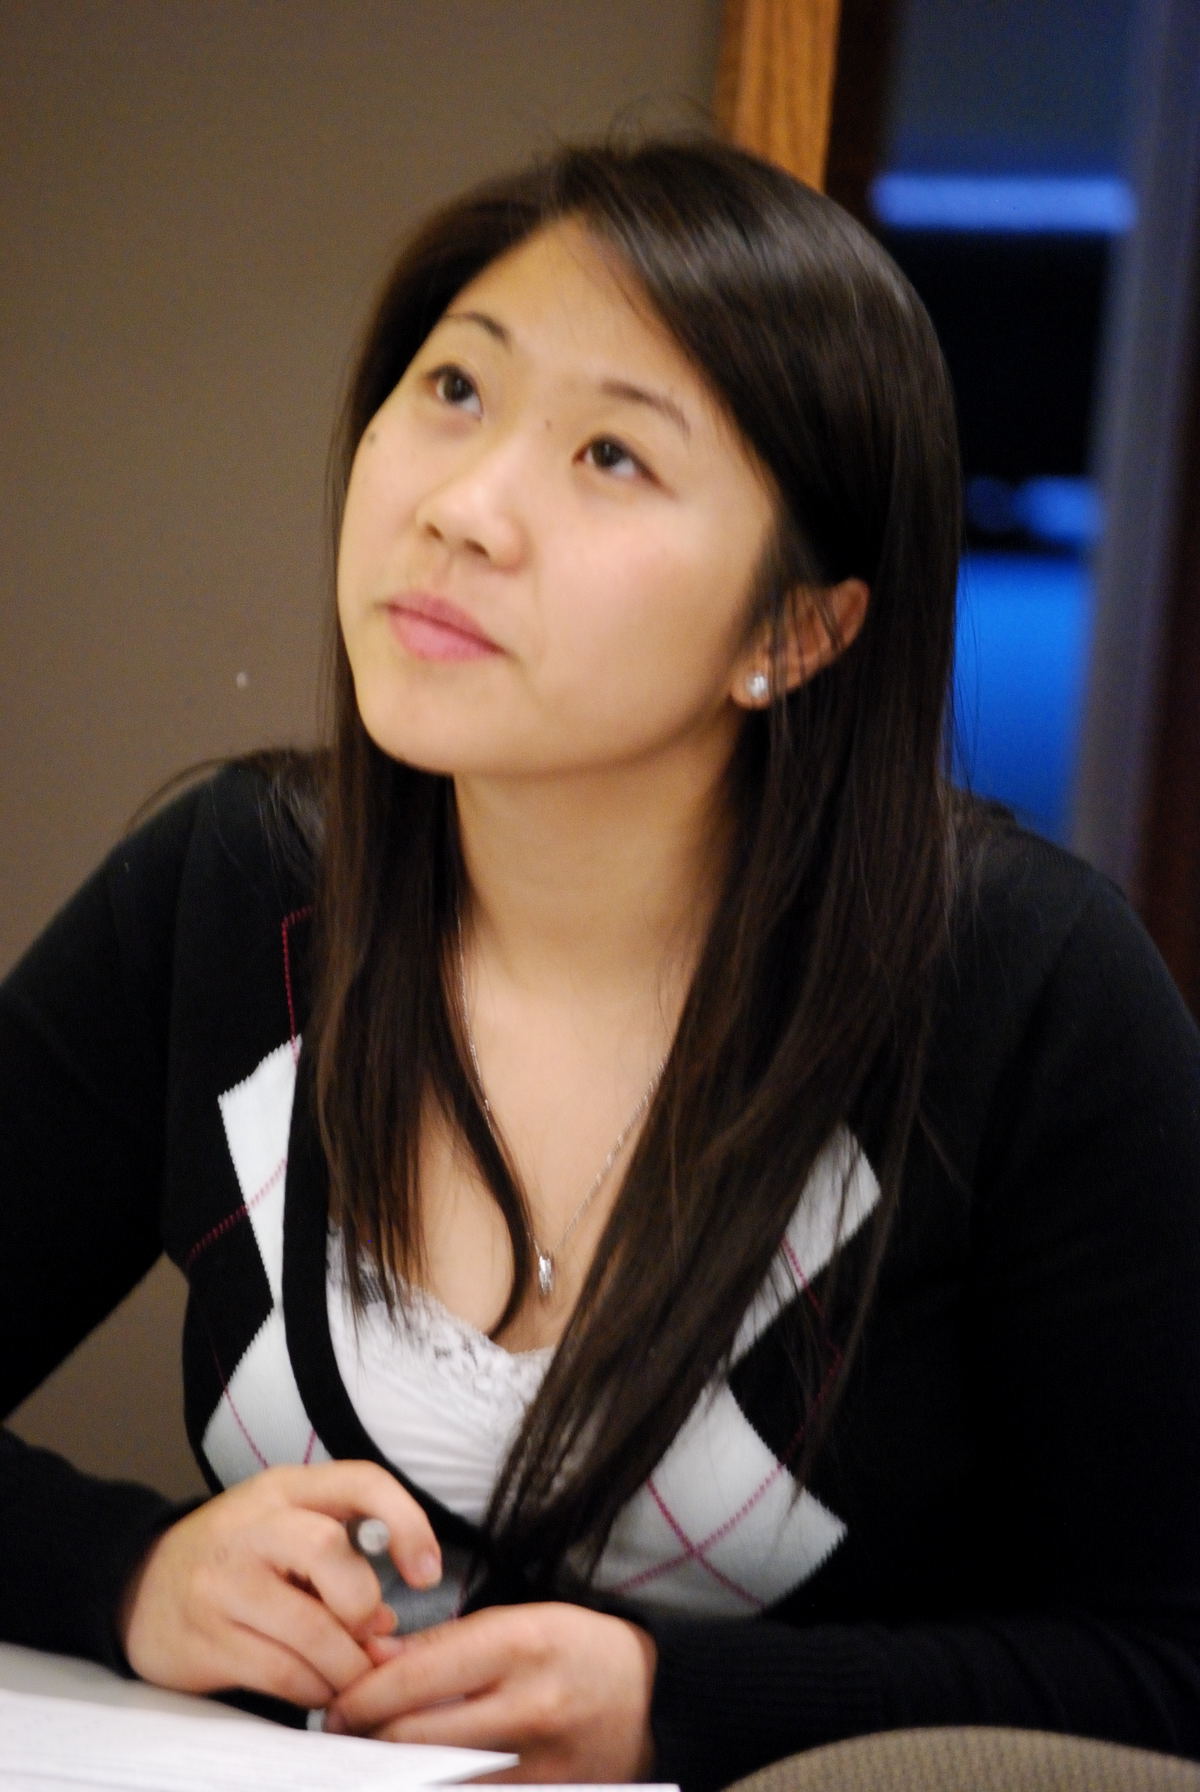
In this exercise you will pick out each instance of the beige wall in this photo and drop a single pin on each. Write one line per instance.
(197, 197)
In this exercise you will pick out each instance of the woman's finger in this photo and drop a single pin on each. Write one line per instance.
(348, 1490)
(488, 1721)
(259, 1663)
(453, 1661)
(312, 1549)
(261, 1603)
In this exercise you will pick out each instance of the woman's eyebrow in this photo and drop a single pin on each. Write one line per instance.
(657, 401)
(624, 389)
(492, 325)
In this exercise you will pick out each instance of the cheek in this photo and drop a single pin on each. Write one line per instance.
(355, 514)
(677, 610)
(365, 497)
(377, 503)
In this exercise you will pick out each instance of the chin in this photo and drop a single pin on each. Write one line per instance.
(422, 749)
(406, 752)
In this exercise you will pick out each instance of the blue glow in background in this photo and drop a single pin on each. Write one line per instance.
(1023, 638)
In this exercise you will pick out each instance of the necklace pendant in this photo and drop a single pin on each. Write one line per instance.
(545, 1274)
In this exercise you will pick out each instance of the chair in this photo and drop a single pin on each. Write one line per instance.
(974, 1760)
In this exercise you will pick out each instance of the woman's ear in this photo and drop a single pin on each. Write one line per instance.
(820, 624)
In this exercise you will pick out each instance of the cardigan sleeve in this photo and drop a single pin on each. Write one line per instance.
(83, 1041)
(1083, 1315)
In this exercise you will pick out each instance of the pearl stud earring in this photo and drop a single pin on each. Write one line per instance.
(758, 687)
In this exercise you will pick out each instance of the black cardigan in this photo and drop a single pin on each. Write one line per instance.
(1016, 1463)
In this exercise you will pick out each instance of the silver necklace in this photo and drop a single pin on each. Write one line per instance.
(547, 1260)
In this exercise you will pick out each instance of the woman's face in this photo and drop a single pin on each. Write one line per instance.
(550, 537)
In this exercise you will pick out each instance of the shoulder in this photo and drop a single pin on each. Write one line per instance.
(1054, 1004)
(1034, 926)
(210, 899)
(1019, 898)
(193, 899)
(244, 834)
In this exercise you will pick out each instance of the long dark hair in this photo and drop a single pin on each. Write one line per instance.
(812, 993)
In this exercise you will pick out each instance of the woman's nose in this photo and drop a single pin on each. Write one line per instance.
(477, 508)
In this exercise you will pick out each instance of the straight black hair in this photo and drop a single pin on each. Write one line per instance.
(810, 1004)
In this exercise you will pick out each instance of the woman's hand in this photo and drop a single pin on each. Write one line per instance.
(565, 1688)
(260, 1587)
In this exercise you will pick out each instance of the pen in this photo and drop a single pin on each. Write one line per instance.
(415, 1607)
(369, 1536)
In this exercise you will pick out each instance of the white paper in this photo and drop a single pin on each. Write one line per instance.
(62, 1745)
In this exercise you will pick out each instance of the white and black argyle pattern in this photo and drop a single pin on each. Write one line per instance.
(718, 1529)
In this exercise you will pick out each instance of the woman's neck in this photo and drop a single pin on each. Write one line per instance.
(599, 884)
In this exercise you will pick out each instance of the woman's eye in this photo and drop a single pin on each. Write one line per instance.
(613, 457)
(453, 387)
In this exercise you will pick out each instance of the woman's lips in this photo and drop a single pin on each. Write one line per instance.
(432, 629)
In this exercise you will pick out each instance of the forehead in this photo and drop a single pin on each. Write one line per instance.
(564, 297)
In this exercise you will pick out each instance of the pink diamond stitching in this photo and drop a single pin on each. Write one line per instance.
(695, 1552)
(698, 1552)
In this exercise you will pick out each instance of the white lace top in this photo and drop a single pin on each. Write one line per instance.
(436, 1395)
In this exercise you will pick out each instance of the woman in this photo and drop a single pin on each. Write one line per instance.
(727, 1203)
